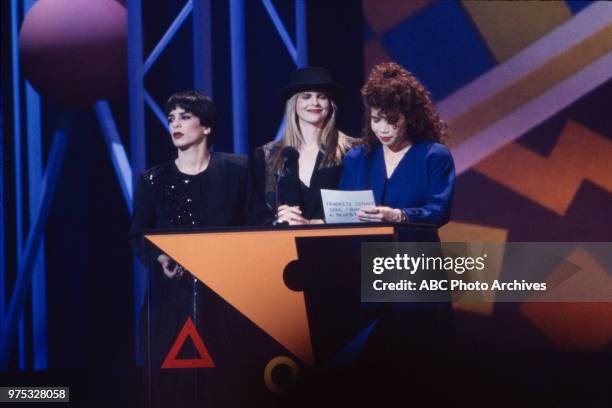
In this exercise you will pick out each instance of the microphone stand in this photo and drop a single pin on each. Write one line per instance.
(279, 174)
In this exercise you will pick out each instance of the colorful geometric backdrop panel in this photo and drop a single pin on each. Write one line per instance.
(526, 88)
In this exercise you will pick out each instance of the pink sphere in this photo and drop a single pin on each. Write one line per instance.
(74, 51)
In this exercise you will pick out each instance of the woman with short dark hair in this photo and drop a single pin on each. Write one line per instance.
(197, 189)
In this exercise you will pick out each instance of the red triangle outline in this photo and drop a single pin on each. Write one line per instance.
(205, 359)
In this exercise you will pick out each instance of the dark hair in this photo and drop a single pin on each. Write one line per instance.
(395, 91)
(197, 104)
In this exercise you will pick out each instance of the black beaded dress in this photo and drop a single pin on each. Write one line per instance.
(165, 198)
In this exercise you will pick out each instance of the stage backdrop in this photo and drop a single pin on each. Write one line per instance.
(525, 88)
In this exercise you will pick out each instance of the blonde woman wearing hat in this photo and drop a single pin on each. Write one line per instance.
(288, 175)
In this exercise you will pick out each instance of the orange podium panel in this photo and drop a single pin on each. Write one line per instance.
(246, 269)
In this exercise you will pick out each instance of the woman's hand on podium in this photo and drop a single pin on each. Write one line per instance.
(170, 267)
(379, 214)
(290, 215)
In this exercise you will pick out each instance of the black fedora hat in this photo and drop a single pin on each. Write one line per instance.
(311, 79)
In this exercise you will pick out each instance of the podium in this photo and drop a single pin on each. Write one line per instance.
(263, 315)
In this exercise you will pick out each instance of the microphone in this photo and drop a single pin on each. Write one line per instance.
(290, 156)
(288, 190)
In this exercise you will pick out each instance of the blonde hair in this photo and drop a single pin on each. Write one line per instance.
(332, 143)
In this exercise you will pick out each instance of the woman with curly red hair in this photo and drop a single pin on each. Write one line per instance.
(402, 157)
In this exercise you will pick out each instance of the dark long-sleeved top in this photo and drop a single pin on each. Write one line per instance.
(422, 184)
(262, 206)
(166, 198)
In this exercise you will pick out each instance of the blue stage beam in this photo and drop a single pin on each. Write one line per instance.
(159, 114)
(202, 47)
(239, 84)
(136, 88)
(301, 33)
(19, 225)
(169, 34)
(35, 160)
(17, 149)
(116, 150)
(2, 219)
(25, 266)
(138, 147)
(35, 163)
(282, 31)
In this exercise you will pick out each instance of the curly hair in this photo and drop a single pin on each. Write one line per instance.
(394, 91)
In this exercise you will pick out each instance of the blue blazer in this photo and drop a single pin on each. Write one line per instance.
(422, 185)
